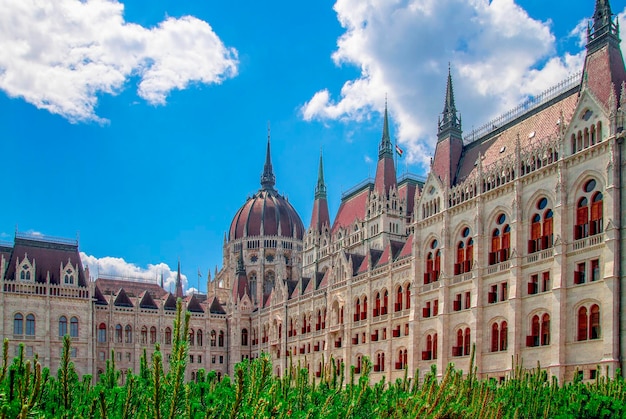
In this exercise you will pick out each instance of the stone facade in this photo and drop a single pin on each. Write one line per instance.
(512, 244)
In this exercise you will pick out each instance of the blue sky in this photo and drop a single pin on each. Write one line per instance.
(141, 126)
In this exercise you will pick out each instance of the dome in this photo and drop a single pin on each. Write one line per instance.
(267, 213)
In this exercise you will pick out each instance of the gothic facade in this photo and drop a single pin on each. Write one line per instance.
(511, 246)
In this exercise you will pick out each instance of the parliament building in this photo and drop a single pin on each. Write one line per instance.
(513, 244)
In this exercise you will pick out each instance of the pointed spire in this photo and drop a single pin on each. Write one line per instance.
(450, 120)
(179, 283)
(384, 150)
(603, 28)
(320, 188)
(162, 280)
(240, 268)
(268, 180)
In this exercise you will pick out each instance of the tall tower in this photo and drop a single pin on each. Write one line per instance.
(179, 283)
(320, 216)
(449, 138)
(385, 170)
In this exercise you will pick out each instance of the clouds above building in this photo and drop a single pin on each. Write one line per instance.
(498, 53)
(62, 55)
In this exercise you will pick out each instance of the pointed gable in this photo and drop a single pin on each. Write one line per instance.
(385, 257)
(122, 299)
(325, 280)
(215, 307)
(99, 298)
(406, 250)
(146, 301)
(310, 286)
(170, 302)
(193, 305)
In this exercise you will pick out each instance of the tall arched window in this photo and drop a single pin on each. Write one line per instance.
(500, 241)
(385, 306)
(408, 296)
(504, 336)
(431, 348)
(466, 341)
(588, 322)
(220, 340)
(74, 327)
(244, 337)
(118, 333)
(495, 337)
(18, 324)
(589, 217)
(465, 253)
(545, 329)
(102, 333)
(213, 338)
(153, 335)
(128, 334)
(433, 263)
(364, 310)
(399, 298)
(144, 335)
(380, 362)
(253, 286)
(62, 326)
(357, 309)
(192, 337)
(376, 310)
(541, 228)
(30, 325)
(168, 336)
(199, 337)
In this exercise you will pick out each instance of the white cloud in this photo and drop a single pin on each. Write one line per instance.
(118, 267)
(61, 55)
(498, 54)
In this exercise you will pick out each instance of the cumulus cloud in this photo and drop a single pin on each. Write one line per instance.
(118, 267)
(499, 55)
(61, 55)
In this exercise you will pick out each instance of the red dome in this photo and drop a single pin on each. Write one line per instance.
(267, 213)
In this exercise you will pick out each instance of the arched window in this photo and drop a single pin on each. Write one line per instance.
(144, 335)
(364, 311)
(213, 338)
(541, 228)
(253, 285)
(402, 359)
(380, 362)
(589, 217)
(458, 349)
(168, 336)
(102, 333)
(128, 334)
(376, 310)
(62, 326)
(431, 348)
(545, 329)
(588, 322)
(504, 336)
(408, 296)
(357, 309)
(118, 333)
(18, 324)
(385, 306)
(199, 337)
(500, 241)
(433, 263)
(466, 342)
(244, 337)
(220, 340)
(495, 337)
(399, 298)
(30, 325)
(464, 253)
(192, 337)
(153, 335)
(74, 327)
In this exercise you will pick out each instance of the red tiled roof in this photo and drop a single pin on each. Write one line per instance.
(605, 70)
(132, 288)
(48, 257)
(407, 248)
(325, 280)
(320, 216)
(364, 265)
(385, 175)
(543, 123)
(406, 190)
(351, 209)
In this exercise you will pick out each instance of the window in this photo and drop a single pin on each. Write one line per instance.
(74, 327)
(380, 362)
(244, 337)
(213, 338)
(357, 309)
(464, 253)
(128, 334)
(168, 336)
(431, 347)
(541, 227)
(433, 263)
(588, 217)
(153, 335)
(69, 277)
(500, 241)
(399, 298)
(192, 337)
(102, 333)
(408, 296)
(376, 309)
(25, 272)
(456, 304)
(220, 341)
(402, 359)
(144, 335)
(499, 336)
(30, 325)
(62, 326)
(364, 309)
(588, 322)
(118, 333)
(539, 331)
(18, 324)
(462, 347)
(199, 337)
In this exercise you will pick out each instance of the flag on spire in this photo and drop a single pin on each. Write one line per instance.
(399, 150)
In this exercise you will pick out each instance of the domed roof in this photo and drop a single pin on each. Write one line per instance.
(266, 213)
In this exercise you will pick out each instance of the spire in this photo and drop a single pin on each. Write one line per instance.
(603, 28)
(384, 149)
(268, 180)
(240, 268)
(320, 215)
(320, 188)
(179, 283)
(449, 122)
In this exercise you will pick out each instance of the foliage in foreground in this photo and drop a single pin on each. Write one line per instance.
(27, 390)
